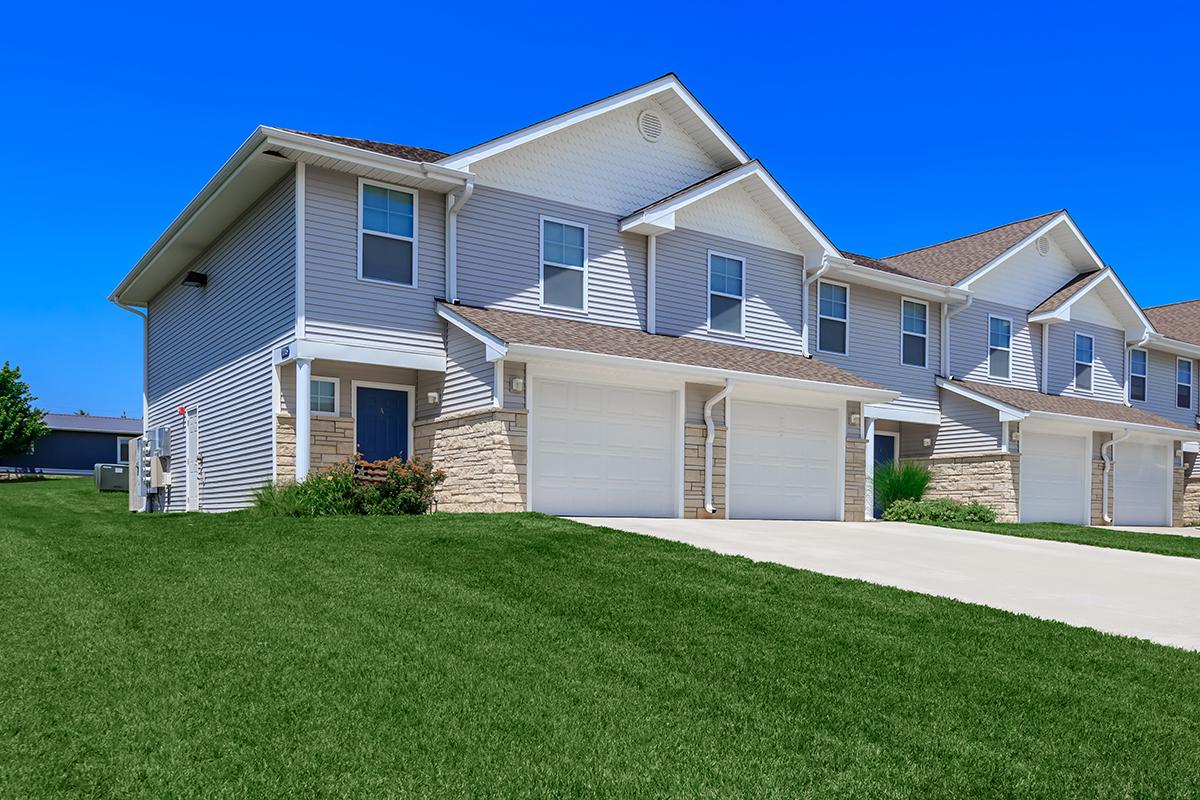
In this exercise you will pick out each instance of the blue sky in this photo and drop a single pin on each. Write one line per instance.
(893, 126)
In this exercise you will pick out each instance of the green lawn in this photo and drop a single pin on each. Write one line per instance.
(1164, 544)
(523, 656)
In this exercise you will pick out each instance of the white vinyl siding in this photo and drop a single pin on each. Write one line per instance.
(1139, 374)
(914, 333)
(1085, 362)
(833, 317)
(999, 348)
(726, 293)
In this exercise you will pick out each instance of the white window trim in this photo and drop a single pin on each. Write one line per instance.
(542, 262)
(1191, 385)
(822, 317)
(904, 333)
(416, 230)
(1075, 358)
(122, 440)
(741, 332)
(1129, 376)
(337, 396)
(1011, 333)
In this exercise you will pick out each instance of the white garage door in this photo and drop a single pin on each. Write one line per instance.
(603, 450)
(1142, 477)
(1055, 478)
(783, 462)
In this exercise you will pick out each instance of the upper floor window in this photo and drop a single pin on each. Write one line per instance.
(999, 348)
(387, 236)
(726, 293)
(1085, 358)
(914, 333)
(1138, 372)
(833, 317)
(564, 264)
(1183, 383)
(323, 397)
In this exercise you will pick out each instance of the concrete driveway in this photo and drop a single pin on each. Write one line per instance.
(1135, 594)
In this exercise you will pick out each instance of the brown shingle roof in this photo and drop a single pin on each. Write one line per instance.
(1073, 406)
(514, 327)
(949, 262)
(1179, 321)
(404, 151)
(1068, 290)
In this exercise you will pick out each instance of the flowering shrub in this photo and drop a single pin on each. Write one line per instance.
(386, 487)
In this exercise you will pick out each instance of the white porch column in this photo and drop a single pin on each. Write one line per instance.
(303, 417)
(870, 492)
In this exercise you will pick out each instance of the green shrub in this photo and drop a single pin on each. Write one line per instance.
(939, 512)
(904, 482)
(355, 487)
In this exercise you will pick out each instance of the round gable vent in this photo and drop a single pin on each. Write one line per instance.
(1043, 246)
(650, 126)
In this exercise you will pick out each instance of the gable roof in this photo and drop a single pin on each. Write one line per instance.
(1180, 321)
(1068, 290)
(1113, 292)
(501, 329)
(407, 152)
(676, 98)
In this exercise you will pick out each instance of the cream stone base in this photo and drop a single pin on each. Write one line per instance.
(693, 472)
(483, 453)
(332, 442)
(993, 479)
(856, 480)
(1191, 500)
(1098, 491)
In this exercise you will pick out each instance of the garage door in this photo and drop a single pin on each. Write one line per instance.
(783, 462)
(603, 450)
(1142, 477)
(1055, 478)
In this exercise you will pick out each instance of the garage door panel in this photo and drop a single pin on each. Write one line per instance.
(1055, 478)
(1142, 483)
(783, 462)
(603, 450)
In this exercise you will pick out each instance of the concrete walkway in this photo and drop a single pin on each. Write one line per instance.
(1148, 529)
(1135, 594)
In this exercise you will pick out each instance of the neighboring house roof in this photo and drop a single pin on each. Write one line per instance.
(418, 154)
(1027, 400)
(515, 328)
(93, 424)
(1068, 290)
(1180, 321)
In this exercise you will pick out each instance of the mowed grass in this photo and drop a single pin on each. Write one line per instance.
(1163, 544)
(524, 656)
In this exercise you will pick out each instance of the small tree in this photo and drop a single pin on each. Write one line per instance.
(21, 424)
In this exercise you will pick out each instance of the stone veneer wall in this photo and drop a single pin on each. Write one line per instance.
(332, 442)
(693, 472)
(993, 479)
(1191, 499)
(483, 452)
(856, 480)
(1098, 491)
(1178, 494)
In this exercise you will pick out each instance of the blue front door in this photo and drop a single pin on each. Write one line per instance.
(381, 417)
(885, 453)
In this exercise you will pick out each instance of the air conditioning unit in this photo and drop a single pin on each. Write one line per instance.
(112, 477)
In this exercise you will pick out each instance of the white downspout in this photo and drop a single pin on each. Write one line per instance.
(652, 283)
(805, 325)
(145, 359)
(709, 436)
(454, 203)
(948, 315)
(1106, 452)
(1045, 358)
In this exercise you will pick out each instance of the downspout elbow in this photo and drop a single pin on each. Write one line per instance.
(709, 436)
(1106, 452)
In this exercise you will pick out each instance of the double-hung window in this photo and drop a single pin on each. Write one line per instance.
(726, 293)
(833, 318)
(323, 397)
(564, 264)
(1183, 383)
(1138, 373)
(999, 348)
(387, 235)
(914, 333)
(1085, 359)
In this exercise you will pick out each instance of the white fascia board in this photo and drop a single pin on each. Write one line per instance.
(356, 354)
(899, 414)
(853, 272)
(399, 166)
(1174, 346)
(1191, 447)
(464, 158)
(648, 225)
(496, 349)
(712, 374)
(1106, 275)
(1116, 425)
(1062, 218)
(1007, 413)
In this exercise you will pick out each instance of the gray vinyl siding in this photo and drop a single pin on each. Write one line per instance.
(512, 399)
(1160, 389)
(969, 345)
(967, 426)
(1109, 361)
(695, 396)
(772, 284)
(210, 348)
(874, 346)
(499, 258)
(470, 377)
(341, 308)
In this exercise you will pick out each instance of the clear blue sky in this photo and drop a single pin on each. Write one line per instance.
(892, 125)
